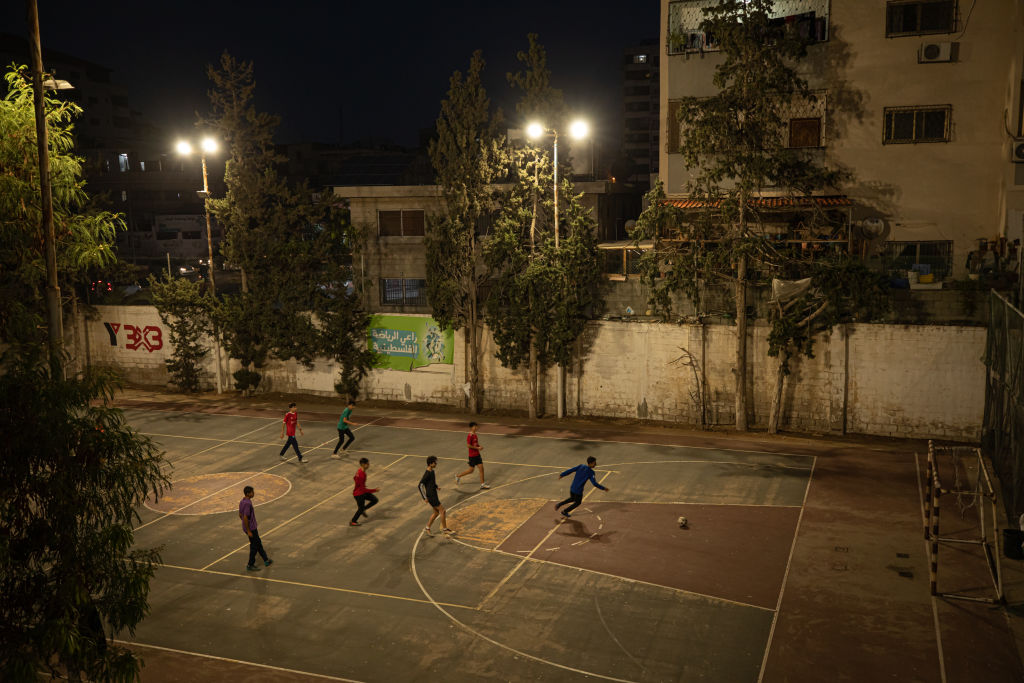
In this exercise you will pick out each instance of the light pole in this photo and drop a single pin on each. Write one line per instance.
(578, 129)
(207, 145)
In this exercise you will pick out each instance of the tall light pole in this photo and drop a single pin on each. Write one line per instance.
(55, 322)
(578, 130)
(207, 146)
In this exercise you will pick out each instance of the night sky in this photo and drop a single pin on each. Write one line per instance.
(385, 64)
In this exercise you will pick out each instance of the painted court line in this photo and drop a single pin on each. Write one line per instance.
(785, 575)
(604, 623)
(282, 524)
(172, 463)
(480, 635)
(335, 589)
(541, 542)
(235, 661)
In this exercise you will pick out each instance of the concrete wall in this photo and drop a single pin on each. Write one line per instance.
(892, 380)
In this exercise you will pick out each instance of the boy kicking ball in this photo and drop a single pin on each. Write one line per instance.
(583, 474)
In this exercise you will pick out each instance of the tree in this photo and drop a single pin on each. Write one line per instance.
(85, 236)
(70, 485)
(186, 312)
(732, 143)
(541, 295)
(544, 291)
(294, 248)
(72, 473)
(467, 158)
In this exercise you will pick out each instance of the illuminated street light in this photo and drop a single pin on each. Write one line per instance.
(578, 130)
(208, 145)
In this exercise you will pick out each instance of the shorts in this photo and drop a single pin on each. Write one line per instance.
(475, 460)
(433, 500)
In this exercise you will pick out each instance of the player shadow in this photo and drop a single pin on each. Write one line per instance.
(578, 529)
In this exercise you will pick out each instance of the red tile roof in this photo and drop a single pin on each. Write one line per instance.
(771, 202)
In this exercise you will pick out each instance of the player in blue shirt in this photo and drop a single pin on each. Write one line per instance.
(583, 473)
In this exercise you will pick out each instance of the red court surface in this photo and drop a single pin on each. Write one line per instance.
(803, 559)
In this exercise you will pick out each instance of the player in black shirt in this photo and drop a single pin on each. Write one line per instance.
(428, 489)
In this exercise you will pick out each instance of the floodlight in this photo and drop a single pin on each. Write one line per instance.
(183, 147)
(535, 130)
(579, 129)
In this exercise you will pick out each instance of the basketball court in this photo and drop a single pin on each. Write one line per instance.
(798, 558)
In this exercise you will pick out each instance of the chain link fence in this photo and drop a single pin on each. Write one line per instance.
(1002, 437)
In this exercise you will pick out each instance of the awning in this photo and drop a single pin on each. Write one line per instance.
(824, 202)
(627, 244)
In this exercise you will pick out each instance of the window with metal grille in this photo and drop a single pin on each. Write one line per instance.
(404, 223)
(403, 292)
(905, 255)
(919, 17)
(916, 124)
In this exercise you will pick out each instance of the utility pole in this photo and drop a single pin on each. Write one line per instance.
(55, 323)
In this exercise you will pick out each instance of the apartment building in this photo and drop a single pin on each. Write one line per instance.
(640, 107)
(921, 99)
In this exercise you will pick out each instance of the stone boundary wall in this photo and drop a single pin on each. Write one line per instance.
(913, 381)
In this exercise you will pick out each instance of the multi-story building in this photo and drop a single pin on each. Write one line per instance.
(391, 262)
(129, 165)
(921, 99)
(641, 103)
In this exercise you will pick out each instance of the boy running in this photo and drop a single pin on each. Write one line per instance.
(583, 473)
(343, 430)
(474, 457)
(428, 489)
(290, 422)
(364, 496)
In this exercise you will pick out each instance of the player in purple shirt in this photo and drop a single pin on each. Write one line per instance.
(248, 515)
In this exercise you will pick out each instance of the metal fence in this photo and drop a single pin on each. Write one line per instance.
(1003, 431)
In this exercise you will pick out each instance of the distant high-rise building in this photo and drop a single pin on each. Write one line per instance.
(640, 120)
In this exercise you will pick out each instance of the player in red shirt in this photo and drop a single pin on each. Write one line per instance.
(290, 422)
(364, 496)
(474, 457)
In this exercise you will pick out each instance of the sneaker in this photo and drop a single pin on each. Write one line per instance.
(335, 456)
(458, 480)
(353, 523)
(447, 530)
(282, 455)
(302, 460)
(267, 563)
(558, 505)
(252, 568)
(565, 514)
(427, 531)
(484, 486)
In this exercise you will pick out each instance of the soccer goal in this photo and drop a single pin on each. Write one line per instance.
(960, 471)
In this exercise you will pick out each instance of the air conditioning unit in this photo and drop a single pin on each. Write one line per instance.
(938, 52)
(1017, 152)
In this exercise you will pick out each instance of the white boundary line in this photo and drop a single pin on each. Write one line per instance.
(218, 512)
(235, 661)
(785, 576)
(935, 606)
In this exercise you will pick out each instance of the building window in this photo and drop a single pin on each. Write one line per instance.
(918, 17)
(122, 162)
(805, 132)
(405, 223)
(620, 263)
(124, 195)
(403, 292)
(937, 256)
(639, 59)
(916, 124)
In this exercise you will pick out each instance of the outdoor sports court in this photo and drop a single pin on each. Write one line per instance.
(802, 560)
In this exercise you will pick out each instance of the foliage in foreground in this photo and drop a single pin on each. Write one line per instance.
(72, 474)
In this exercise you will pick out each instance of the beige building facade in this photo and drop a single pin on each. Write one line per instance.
(921, 99)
